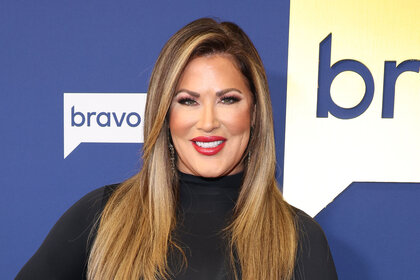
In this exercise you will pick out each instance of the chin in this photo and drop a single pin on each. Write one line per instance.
(210, 173)
(214, 172)
(209, 169)
(206, 171)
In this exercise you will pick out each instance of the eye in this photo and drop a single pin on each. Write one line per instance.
(229, 99)
(187, 101)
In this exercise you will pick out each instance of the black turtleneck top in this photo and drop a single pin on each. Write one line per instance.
(204, 209)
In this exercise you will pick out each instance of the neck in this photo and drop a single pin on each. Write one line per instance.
(200, 194)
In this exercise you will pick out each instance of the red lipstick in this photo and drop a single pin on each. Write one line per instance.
(207, 148)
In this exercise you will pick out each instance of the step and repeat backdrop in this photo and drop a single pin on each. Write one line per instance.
(345, 85)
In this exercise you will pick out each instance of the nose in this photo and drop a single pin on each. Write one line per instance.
(208, 120)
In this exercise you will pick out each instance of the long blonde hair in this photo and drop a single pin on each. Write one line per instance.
(134, 235)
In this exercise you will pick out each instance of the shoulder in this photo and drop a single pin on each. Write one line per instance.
(64, 252)
(94, 200)
(308, 229)
(83, 215)
(87, 209)
(314, 259)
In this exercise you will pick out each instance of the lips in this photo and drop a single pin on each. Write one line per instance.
(208, 145)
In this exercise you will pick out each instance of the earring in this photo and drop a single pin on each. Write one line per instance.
(251, 131)
(172, 156)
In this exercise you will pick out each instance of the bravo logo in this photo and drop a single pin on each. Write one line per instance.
(353, 98)
(102, 118)
(327, 73)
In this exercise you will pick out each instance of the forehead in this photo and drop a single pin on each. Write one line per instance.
(221, 69)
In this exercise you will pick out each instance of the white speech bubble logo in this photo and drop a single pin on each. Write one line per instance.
(102, 118)
(324, 155)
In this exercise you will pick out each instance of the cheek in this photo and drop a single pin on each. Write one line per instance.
(179, 122)
(238, 121)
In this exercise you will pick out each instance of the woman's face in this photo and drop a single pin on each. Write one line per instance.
(210, 117)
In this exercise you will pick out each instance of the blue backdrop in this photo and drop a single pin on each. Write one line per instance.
(51, 47)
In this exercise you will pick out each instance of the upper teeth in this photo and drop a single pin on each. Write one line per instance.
(209, 144)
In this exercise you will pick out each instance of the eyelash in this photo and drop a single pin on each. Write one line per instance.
(231, 99)
(191, 102)
(187, 101)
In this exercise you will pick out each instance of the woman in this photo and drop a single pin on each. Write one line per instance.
(205, 204)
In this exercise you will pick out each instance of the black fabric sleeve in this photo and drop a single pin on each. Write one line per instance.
(314, 260)
(64, 252)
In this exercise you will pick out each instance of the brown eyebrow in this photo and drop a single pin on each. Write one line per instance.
(218, 94)
(223, 91)
(190, 92)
